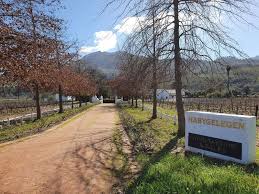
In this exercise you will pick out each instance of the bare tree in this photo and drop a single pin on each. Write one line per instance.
(149, 43)
(198, 34)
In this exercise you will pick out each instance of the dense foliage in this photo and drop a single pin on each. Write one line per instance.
(33, 54)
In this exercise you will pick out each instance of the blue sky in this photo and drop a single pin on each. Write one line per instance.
(95, 31)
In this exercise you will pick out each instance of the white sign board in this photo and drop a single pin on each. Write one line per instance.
(224, 136)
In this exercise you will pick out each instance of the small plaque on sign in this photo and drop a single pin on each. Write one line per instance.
(220, 146)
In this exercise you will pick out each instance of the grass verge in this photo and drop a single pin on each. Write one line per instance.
(121, 158)
(166, 170)
(167, 111)
(147, 135)
(194, 174)
(33, 127)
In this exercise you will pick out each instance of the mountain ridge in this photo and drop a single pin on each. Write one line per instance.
(109, 61)
(104, 61)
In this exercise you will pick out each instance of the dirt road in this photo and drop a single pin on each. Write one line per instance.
(74, 157)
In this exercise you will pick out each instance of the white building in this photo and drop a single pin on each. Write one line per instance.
(164, 94)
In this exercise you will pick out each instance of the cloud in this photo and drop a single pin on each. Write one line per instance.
(107, 40)
(129, 25)
(104, 41)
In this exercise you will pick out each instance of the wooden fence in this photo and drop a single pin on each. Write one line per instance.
(242, 106)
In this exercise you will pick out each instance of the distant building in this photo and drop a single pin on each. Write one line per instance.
(164, 94)
(64, 98)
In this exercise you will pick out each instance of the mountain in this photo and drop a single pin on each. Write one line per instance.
(235, 62)
(244, 72)
(108, 62)
(256, 58)
(104, 61)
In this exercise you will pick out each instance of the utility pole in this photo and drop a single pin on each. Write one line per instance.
(228, 68)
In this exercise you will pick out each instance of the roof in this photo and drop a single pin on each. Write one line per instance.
(170, 91)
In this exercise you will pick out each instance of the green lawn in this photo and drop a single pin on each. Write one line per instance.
(194, 174)
(167, 111)
(15, 100)
(148, 135)
(177, 172)
(30, 128)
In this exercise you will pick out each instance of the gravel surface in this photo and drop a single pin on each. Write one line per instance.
(73, 157)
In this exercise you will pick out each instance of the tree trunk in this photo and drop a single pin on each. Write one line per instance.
(136, 102)
(4, 93)
(72, 102)
(132, 101)
(229, 91)
(178, 73)
(18, 92)
(154, 113)
(154, 70)
(80, 102)
(60, 94)
(37, 99)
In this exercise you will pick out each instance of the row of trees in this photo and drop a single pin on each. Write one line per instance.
(33, 53)
(174, 38)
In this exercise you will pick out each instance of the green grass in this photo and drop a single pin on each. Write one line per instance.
(23, 99)
(167, 172)
(33, 127)
(194, 174)
(120, 159)
(162, 110)
(167, 111)
(148, 135)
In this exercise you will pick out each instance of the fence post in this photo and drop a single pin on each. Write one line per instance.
(8, 122)
(21, 119)
(256, 110)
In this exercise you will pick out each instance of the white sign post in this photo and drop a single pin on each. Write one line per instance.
(94, 99)
(224, 136)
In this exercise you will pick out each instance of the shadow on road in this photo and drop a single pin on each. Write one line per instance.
(92, 167)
